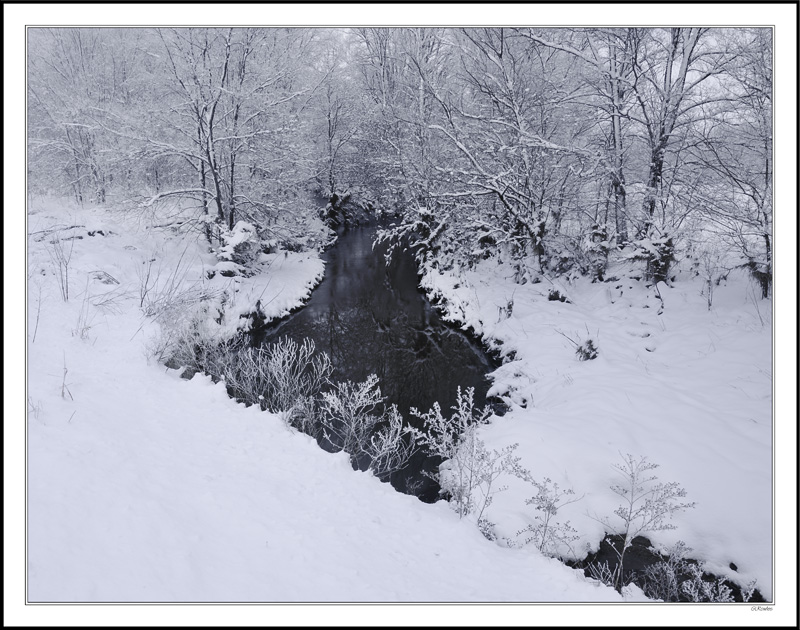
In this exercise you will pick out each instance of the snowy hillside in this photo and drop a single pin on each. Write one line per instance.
(147, 487)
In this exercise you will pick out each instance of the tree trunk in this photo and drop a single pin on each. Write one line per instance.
(331, 134)
(231, 203)
(766, 281)
(617, 176)
(654, 179)
(231, 197)
(215, 178)
(201, 169)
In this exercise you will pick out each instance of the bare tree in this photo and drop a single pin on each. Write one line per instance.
(542, 147)
(732, 148)
(609, 53)
(75, 77)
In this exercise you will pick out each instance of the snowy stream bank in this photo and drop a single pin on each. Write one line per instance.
(687, 387)
(143, 487)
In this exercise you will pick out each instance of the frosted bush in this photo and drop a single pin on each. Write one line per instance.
(675, 578)
(647, 507)
(349, 413)
(352, 420)
(391, 447)
(699, 590)
(470, 470)
(187, 338)
(662, 580)
(284, 377)
(547, 533)
(454, 440)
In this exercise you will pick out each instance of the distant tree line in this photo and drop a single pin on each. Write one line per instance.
(554, 150)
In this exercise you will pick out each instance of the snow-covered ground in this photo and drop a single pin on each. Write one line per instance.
(143, 486)
(688, 388)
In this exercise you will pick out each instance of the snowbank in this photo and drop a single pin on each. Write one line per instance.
(689, 388)
(144, 487)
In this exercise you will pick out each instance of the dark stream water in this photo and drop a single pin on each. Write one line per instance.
(371, 318)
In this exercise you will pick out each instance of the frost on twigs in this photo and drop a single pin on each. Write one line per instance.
(700, 587)
(353, 420)
(677, 578)
(391, 447)
(453, 439)
(349, 412)
(283, 377)
(647, 506)
(470, 471)
(549, 534)
(167, 292)
(662, 580)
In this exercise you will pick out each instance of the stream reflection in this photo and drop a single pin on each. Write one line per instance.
(371, 318)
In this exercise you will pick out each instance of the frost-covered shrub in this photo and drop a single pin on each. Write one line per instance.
(676, 578)
(294, 372)
(454, 440)
(699, 588)
(603, 573)
(647, 506)
(548, 534)
(187, 337)
(714, 271)
(711, 261)
(284, 377)
(662, 580)
(470, 470)
(302, 415)
(349, 413)
(350, 417)
(391, 447)
(292, 380)
(489, 466)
